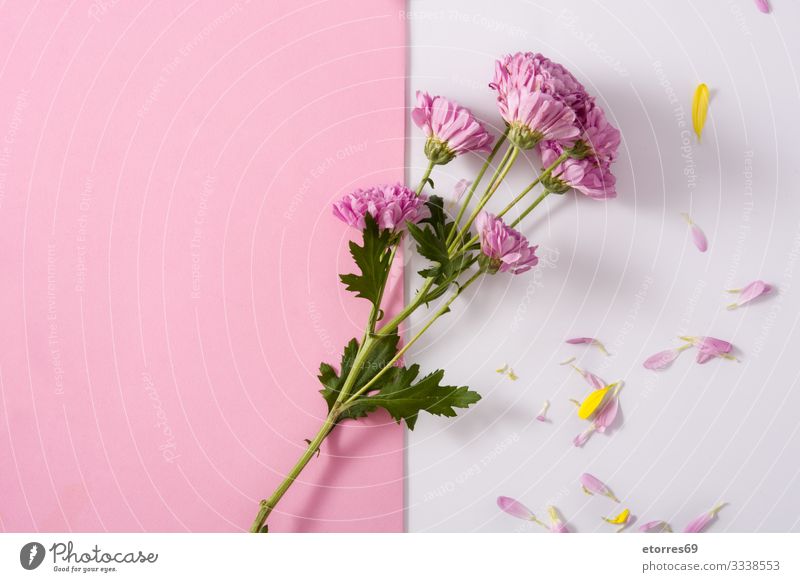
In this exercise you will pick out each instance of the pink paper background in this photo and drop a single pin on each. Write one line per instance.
(170, 260)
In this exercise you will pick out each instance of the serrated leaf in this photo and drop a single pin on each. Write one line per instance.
(403, 398)
(383, 349)
(372, 259)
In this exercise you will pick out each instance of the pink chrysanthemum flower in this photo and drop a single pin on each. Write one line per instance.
(451, 129)
(391, 205)
(519, 80)
(590, 173)
(504, 248)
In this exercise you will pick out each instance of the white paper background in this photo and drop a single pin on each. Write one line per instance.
(626, 272)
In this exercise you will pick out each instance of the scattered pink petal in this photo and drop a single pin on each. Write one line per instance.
(663, 359)
(763, 6)
(749, 292)
(581, 439)
(542, 416)
(557, 524)
(698, 236)
(461, 187)
(588, 340)
(592, 485)
(710, 347)
(608, 414)
(594, 381)
(657, 526)
(699, 524)
(515, 508)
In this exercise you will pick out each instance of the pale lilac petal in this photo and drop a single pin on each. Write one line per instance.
(515, 508)
(582, 438)
(751, 291)
(657, 526)
(461, 187)
(592, 485)
(661, 360)
(763, 6)
(594, 381)
(607, 415)
(699, 524)
(542, 416)
(698, 236)
(703, 357)
(588, 340)
(557, 524)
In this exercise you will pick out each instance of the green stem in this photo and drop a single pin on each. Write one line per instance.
(425, 177)
(475, 184)
(530, 186)
(439, 312)
(530, 208)
(500, 174)
(267, 505)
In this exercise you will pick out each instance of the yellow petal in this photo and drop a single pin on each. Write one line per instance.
(512, 376)
(620, 519)
(592, 402)
(699, 109)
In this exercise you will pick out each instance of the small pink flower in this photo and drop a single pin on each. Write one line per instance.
(504, 248)
(699, 524)
(591, 485)
(451, 129)
(749, 292)
(535, 116)
(698, 236)
(590, 341)
(390, 205)
(657, 526)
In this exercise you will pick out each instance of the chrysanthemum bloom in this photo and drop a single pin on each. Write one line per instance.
(504, 249)
(451, 129)
(539, 99)
(391, 205)
(589, 173)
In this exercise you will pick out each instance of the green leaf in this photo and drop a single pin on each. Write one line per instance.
(382, 350)
(429, 245)
(399, 394)
(372, 260)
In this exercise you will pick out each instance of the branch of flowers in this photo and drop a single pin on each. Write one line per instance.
(530, 208)
(439, 312)
(501, 173)
(530, 186)
(475, 184)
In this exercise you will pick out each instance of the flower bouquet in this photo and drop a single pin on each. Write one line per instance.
(544, 108)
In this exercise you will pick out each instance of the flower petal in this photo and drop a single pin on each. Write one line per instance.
(700, 109)
(663, 359)
(461, 187)
(608, 414)
(620, 519)
(557, 525)
(698, 236)
(588, 340)
(700, 523)
(515, 508)
(542, 416)
(763, 6)
(592, 403)
(581, 439)
(749, 292)
(657, 526)
(592, 485)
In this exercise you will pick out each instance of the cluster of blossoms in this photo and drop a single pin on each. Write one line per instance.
(544, 107)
